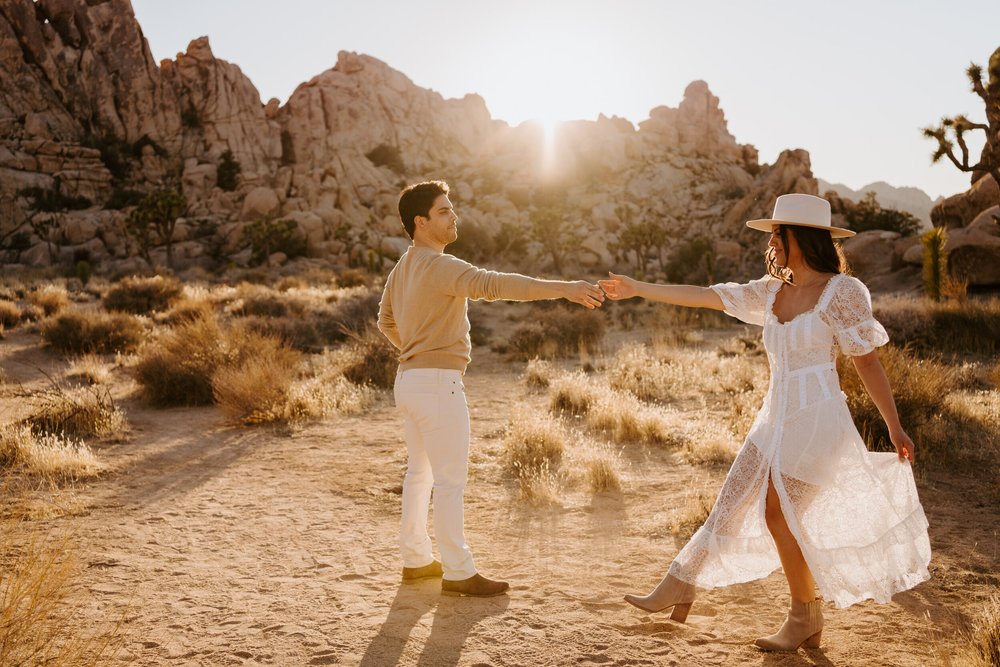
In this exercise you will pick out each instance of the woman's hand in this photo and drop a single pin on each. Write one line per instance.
(619, 287)
(905, 448)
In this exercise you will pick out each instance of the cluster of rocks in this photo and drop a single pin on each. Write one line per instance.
(87, 115)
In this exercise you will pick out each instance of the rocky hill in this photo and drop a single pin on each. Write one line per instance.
(90, 123)
(912, 200)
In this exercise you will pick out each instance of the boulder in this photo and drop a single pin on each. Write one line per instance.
(959, 210)
(260, 202)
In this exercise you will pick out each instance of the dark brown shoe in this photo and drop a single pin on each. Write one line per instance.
(476, 586)
(431, 571)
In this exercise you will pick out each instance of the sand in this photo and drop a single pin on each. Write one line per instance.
(227, 545)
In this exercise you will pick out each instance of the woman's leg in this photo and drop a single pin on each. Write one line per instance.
(801, 584)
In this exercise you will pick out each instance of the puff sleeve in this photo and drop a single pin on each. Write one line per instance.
(849, 314)
(747, 302)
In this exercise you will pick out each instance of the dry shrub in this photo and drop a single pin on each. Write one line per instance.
(36, 584)
(319, 397)
(538, 373)
(993, 374)
(53, 456)
(141, 296)
(962, 327)
(635, 370)
(709, 447)
(89, 368)
(556, 331)
(371, 360)
(946, 431)
(600, 469)
(257, 389)
(82, 332)
(689, 515)
(179, 366)
(618, 416)
(81, 412)
(51, 299)
(188, 310)
(983, 648)
(10, 314)
(353, 278)
(533, 441)
(540, 487)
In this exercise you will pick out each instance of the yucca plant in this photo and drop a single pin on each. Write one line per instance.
(935, 261)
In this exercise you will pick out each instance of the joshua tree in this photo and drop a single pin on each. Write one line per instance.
(157, 214)
(989, 161)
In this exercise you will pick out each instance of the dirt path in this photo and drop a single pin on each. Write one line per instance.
(235, 546)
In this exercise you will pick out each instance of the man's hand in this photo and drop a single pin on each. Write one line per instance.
(619, 287)
(584, 293)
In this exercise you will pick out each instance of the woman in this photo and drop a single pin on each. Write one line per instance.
(837, 516)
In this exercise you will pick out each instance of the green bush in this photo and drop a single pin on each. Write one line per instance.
(267, 237)
(868, 215)
(228, 172)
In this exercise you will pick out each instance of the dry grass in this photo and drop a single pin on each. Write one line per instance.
(36, 587)
(371, 360)
(51, 299)
(10, 314)
(75, 413)
(318, 397)
(142, 296)
(983, 648)
(555, 330)
(188, 310)
(53, 456)
(538, 373)
(689, 515)
(82, 332)
(600, 469)
(712, 445)
(540, 487)
(617, 416)
(952, 327)
(257, 389)
(925, 392)
(533, 441)
(90, 369)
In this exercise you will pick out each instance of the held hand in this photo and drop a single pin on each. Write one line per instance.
(904, 446)
(619, 287)
(584, 293)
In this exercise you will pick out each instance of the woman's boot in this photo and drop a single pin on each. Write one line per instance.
(803, 625)
(671, 592)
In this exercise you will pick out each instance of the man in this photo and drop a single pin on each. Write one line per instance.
(424, 313)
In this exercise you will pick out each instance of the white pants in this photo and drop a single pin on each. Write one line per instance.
(436, 430)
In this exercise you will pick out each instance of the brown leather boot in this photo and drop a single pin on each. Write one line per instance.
(803, 625)
(476, 586)
(670, 592)
(414, 574)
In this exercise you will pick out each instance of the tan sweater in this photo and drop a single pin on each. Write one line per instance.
(424, 306)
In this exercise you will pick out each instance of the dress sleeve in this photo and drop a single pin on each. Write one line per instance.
(855, 329)
(747, 302)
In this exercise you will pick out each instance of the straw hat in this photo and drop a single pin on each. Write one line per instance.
(801, 211)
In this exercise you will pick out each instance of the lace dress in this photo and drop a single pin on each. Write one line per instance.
(854, 513)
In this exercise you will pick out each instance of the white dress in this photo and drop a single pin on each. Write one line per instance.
(854, 513)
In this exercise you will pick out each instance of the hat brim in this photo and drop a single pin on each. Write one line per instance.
(766, 225)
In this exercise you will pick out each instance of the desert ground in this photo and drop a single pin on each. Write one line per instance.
(211, 543)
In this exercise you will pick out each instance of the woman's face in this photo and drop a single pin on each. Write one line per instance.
(776, 244)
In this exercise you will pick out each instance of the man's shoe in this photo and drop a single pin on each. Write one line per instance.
(476, 586)
(414, 574)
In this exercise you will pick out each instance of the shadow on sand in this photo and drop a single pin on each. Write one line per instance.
(454, 619)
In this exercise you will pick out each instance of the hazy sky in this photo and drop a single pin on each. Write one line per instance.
(852, 82)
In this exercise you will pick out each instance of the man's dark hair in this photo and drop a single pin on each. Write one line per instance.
(417, 200)
(819, 252)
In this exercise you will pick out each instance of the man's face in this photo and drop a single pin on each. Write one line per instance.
(441, 223)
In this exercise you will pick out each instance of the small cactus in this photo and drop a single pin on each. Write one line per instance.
(935, 261)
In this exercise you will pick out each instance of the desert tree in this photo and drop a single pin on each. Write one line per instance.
(952, 130)
(154, 220)
(550, 226)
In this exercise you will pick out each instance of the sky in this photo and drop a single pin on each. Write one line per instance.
(852, 82)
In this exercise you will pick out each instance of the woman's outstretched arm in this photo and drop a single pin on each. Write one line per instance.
(877, 383)
(622, 287)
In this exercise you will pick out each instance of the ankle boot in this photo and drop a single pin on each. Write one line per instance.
(803, 625)
(671, 592)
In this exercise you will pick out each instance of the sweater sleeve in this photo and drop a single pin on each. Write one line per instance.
(386, 322)
(459, 278)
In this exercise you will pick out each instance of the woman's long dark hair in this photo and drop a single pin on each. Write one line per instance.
(819, 252)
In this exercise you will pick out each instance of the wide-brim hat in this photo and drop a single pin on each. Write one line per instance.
(801, 211)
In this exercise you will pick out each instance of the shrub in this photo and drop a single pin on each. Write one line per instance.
(267, 237)
(123, 198)
(228, 172)
(538, 373)
(385, 155)
(51, 299)
(533, 441)
(984, 635)
(54, 200)
(869, 214)
(556, 331)
(257, 389)
(80, 413)
(90, 369)
(970, 327)
(374, 360)
(10, 314)
(82, 332)
(142, 296)
(689, 515)
(53, 456)
(935, 261)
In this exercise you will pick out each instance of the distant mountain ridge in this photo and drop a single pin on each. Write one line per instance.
(912, 200)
